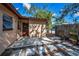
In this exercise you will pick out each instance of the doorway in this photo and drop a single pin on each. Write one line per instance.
(25, 29)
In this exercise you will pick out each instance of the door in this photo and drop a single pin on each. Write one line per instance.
(25, 29)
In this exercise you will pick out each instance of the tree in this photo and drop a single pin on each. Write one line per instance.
(44, 14)
(41, 13)
(69, 9)
(75, 20)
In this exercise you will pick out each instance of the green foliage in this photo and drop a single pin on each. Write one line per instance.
(59, 21)
(69, 9)
(44, 14)
(41, 13)
(74, 37)
(75, 21)
(62, 21)
(72, 30)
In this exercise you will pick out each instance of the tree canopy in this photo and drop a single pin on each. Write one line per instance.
(69, 9)
(42, 13)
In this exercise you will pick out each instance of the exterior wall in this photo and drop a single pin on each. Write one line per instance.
(9, 36)
(20, 30)
(37, 29)
(24, 20)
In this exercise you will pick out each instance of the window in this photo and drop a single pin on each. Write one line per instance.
(7, 22)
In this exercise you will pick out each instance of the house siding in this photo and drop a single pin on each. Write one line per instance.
(9, 36)
(37, 28)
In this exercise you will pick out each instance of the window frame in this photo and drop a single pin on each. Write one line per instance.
(10, 21)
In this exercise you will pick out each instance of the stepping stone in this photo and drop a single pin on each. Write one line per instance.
(30, 52)
(41, 50)
(52, 47)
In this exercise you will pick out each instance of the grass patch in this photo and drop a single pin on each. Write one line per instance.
(74, 37)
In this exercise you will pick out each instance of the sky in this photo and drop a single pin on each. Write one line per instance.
(53, 7)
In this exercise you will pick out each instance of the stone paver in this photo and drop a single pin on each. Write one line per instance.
(49, 46)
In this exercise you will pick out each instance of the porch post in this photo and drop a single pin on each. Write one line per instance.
(21, 28)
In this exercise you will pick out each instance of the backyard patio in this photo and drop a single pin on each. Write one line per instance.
(41, 34)
(45, 46)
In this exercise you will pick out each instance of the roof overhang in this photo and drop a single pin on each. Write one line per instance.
(13, 9)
